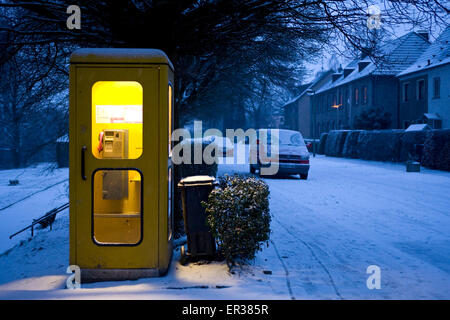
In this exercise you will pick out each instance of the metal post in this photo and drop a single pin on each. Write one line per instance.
(337, 118)
(314, 127)
(311, 93)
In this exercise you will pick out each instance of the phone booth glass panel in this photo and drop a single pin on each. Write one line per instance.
(117, 119)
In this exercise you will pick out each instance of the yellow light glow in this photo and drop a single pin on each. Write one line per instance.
(118, 105)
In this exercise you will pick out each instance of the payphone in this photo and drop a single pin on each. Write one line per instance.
(113, 144)
(121, 118)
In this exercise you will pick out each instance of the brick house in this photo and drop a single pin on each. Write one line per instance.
(297, 112)
(424, 87)
(364, 84)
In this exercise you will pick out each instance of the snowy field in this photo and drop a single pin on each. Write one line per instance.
(326, 231)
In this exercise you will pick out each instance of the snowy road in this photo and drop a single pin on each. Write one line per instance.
(326, 231)
(351, 214)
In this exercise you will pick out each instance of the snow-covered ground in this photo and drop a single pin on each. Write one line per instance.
(40, 189)
(326, 231)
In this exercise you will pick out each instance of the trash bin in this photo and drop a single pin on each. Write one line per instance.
(200, 241)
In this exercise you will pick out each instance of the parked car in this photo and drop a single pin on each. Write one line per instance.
(293, 155)
(226, 147)
(309, 144)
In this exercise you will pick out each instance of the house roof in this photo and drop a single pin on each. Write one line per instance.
(396, 54)
(432, 116)
(438, 53)
(319, 77)
(64, 138)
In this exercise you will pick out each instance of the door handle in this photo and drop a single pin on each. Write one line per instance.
(83, 163)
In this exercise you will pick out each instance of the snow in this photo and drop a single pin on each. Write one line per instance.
(39, 190)
(417, 127)
(197, 179)
(326, 231)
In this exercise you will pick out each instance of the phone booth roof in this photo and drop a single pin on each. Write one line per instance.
(120, 55)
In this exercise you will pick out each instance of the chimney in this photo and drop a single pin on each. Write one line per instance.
(347, 71)
(424, 34)
(362, 65)
(335, 76)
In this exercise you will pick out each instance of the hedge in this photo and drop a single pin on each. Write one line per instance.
(391, 145)
(379, 145)
(322, 143)
(436, 151)
(350, 149)
(239, 217)
(409, 141)
(335, 142)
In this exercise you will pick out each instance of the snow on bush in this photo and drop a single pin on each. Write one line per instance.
(335, 142)
(350, 149)
(239, 217)
(409, 141)
(380, 145)
(322, 143)
(436, 151)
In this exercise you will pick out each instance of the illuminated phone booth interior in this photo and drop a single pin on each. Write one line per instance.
(121, 119)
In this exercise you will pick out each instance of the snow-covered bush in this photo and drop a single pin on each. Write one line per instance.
(239, 217)
(335, 142)
(380, 145)
(322, 143)
(436, 151)
(409, 141)
(350, 149)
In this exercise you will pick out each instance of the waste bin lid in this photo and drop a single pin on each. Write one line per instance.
(196, 180)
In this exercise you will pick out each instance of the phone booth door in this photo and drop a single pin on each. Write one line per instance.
(116, 192)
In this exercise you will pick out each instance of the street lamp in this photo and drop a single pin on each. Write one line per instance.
(311, 93)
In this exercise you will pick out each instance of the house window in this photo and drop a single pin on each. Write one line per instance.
(420, 89)
(365, 94)
(341, 99)
(405, 92)
(356, 96)
(436, 87)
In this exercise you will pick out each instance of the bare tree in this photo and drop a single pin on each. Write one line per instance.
(209, 40)
(33, 102)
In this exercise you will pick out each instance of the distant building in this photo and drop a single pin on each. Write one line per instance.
(425, 86)
(364, 85)
(297, 112)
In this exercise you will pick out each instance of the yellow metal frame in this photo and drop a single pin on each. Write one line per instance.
(150, 257)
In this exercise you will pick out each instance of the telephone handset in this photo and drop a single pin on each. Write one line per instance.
(101, 139)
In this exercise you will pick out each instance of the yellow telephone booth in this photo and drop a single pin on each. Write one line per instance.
(121, 104)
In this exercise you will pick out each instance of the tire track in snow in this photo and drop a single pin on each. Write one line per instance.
(32, 194)
(288, 282)
(314, 256)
